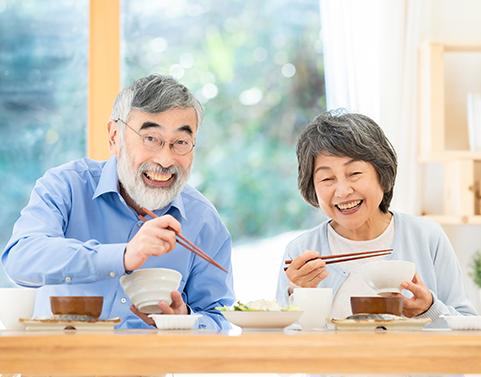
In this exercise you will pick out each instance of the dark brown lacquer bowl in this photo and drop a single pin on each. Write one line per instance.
(77, 305)
(377, 305)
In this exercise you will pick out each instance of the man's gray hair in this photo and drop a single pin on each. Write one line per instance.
(154, 94)
(342, 134)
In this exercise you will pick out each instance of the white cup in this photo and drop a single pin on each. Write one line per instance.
(16, 303)
(316, 304)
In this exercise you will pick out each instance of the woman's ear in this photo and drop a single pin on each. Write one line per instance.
(114, 137)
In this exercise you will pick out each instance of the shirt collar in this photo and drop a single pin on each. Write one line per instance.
(109, 182)
(108, 179)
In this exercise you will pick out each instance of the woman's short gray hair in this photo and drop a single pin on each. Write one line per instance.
(342, 134)
(154, 94)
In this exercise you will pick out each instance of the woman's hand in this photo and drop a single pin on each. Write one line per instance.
(306, 271)
(177, 307)
(422, 298)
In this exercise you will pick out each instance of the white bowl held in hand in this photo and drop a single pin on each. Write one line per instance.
(147, 287)
(386, 277)
(16, 303)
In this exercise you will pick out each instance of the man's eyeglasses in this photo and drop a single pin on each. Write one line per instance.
(154, 141)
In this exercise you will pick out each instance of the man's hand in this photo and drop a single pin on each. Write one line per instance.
(422, 298)
(177, 307)
(153, 239)
(306, 271)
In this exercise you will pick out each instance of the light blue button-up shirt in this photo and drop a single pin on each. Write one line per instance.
(71, 237)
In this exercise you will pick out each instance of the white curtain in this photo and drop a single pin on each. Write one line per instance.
(371, 59)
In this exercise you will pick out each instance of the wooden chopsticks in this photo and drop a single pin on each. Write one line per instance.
(345, 257)
(187, 244)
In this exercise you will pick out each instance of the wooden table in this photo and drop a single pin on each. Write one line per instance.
(150, 352)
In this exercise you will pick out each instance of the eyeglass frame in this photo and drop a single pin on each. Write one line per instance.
(163, 142)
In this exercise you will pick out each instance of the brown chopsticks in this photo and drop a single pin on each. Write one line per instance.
(346, 257)
(187, 244)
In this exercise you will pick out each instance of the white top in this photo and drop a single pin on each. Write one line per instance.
(354, 285)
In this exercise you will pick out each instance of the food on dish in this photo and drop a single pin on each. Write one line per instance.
(260, 306)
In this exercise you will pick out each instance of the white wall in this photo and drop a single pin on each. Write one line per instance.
(459, 19)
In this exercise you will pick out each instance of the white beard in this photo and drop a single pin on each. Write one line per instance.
(149, 197)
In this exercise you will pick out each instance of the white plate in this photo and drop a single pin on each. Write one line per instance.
(175, 322)
(463, 322)
(65, 324)
(262, 319)
(401, 324)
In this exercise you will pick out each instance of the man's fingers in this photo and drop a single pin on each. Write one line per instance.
(165, 308)
(167, 221)
(144, 317)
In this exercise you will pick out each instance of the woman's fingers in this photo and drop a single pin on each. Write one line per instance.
(422, 298)
(306, 270)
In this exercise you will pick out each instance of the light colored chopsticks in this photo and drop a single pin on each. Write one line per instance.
(186, 243)
(346, 257)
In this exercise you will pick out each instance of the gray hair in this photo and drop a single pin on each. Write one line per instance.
(341, 134)
(154, 94)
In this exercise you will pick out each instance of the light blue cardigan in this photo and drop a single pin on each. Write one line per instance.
(416, 240)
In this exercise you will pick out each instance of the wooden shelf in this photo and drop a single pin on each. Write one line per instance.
(461, 181)
(454, 219)
(447, 156)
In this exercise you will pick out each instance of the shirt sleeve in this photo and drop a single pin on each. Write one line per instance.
(450, 296)
(38, 252)
(208, 287)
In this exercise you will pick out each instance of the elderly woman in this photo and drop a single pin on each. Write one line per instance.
(347, 167)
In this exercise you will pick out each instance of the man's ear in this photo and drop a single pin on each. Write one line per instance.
(114, 137)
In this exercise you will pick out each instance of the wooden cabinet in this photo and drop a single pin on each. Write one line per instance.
(462, 168)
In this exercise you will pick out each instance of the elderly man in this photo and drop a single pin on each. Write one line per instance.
(80, 231)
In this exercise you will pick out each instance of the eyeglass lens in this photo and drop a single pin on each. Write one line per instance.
(155, 141)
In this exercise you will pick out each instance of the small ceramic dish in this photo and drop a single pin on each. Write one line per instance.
(463, 322)
(394, 324)
(377, 305)
(386, 276)
(262, 319)
(77, 305)
(175, 322)
(146, 287)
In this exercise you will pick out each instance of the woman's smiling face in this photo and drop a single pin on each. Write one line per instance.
(349, 192)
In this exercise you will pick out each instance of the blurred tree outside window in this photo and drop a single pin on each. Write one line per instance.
(257, 67)
(43, 97)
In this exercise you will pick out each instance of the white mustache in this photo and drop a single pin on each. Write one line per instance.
(145, 166)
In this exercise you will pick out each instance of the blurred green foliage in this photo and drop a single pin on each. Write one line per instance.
(43, 97)
(257, 67)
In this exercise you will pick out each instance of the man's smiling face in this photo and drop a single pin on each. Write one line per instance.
(152, 179)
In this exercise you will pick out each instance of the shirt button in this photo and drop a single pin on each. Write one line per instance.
(139, 224)
(68, 279)
(112, 274)
(123, 300)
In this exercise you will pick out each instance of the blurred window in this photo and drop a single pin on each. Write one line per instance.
(43, 96)
(257, 67)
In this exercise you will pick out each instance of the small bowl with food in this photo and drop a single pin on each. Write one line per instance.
(89, 306)
(377, 305)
